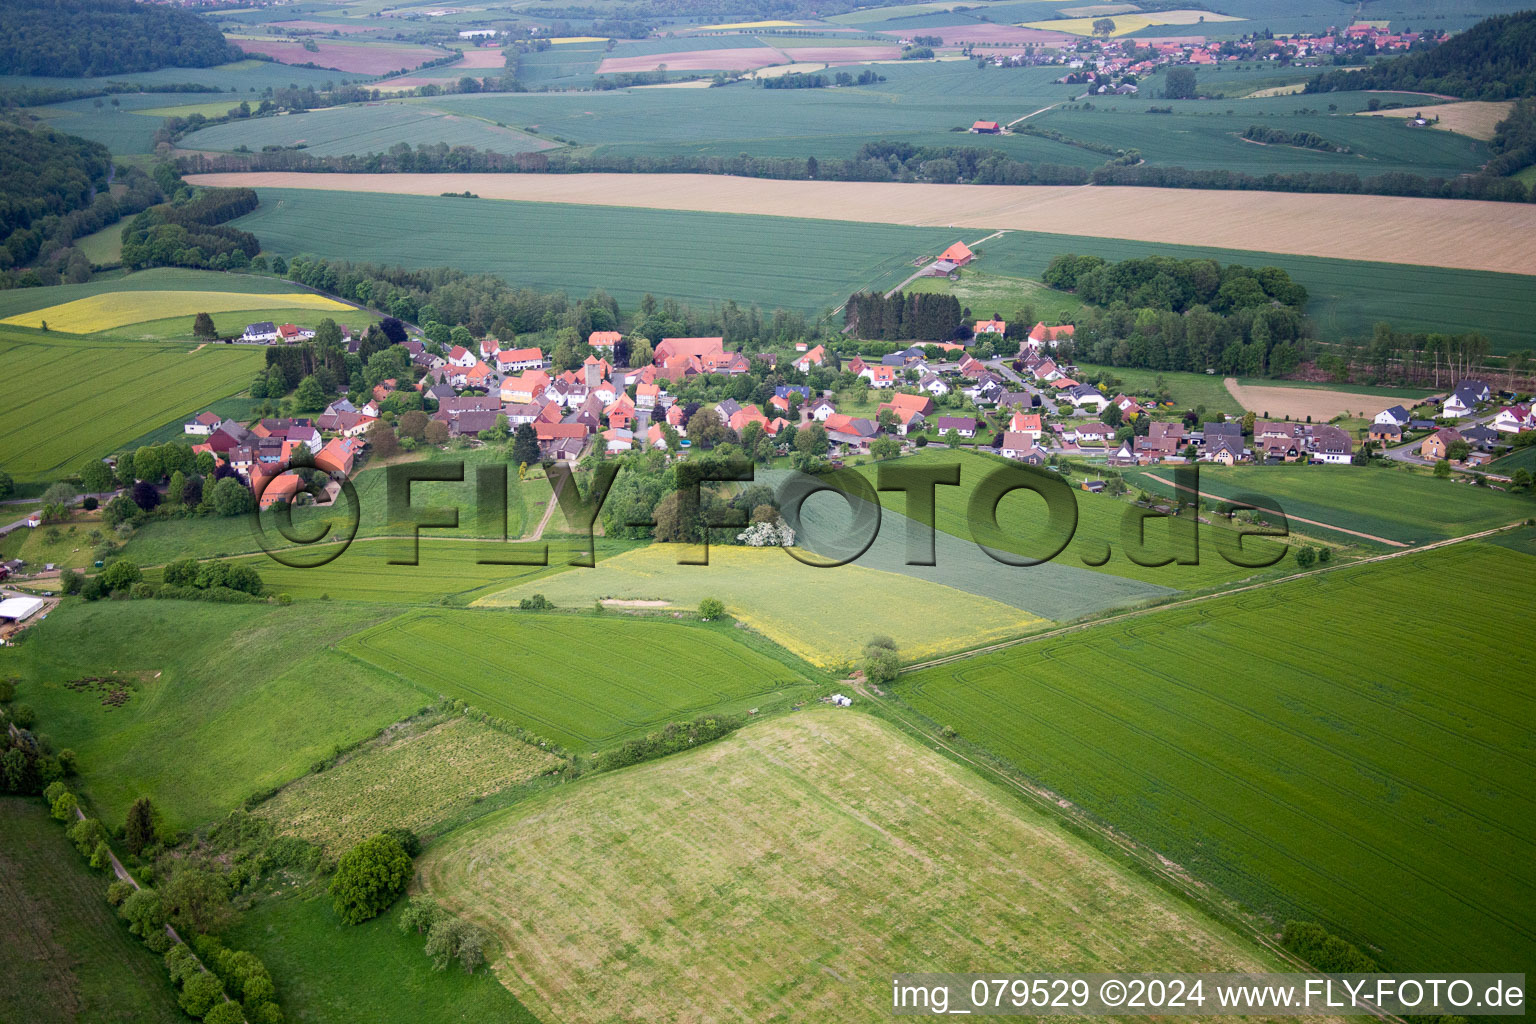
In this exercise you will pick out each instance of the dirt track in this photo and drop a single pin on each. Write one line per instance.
(1391, 229)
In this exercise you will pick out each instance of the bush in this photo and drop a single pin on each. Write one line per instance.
(369, 877)
(23, 716)
(224, 1013)
(711, 608)
(1323, 950)
(536, 603)
(86, 834)
(199, 994)
(119, 891)
(90, 504)
(880, 660)
(672, 737)
(120, 575)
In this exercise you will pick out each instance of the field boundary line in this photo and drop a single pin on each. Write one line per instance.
(1078, 627)
(1287, 515)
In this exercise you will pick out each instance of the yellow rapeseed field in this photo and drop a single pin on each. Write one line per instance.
(118, 309)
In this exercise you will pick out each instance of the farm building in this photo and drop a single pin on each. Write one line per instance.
(986, 128)
(957, 255)
(19, 609)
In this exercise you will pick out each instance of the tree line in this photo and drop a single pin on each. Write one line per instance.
(903, 316)
(1164, 313)
(80, 38)
(1493, 60)
(1281, 137)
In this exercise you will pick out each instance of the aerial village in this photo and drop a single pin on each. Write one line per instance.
(1007, 389)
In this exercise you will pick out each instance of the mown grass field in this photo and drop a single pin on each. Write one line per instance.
(328, 971)
(162, 540)
(447, 572)
(224, 700)
(987, 294)
(1520, 458)
(825, 616)
(64, 955)
(366, 128)
(416, 777)
(1411, 508)
(585, 683)
(65, 401)
(787, 871)
(1328, 749)
(104, 312)
(774, 261)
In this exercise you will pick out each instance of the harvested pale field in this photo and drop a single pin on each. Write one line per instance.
(1302, 403)
(357, 58)
(785, 872)
(482, 57)
(842, 54)
(1128, 23)
(325, 26)
(1277, 90)
(1474, 118)
(748, 24)
(746, 58)
(1012, 35)
(1389, 229)
(1098, 10)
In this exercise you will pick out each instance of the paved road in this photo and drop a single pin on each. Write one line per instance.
(1409, 453)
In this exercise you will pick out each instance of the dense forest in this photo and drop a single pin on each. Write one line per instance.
(1493, 60)
(77, 38)
(903, 316)
(43, 174)
(1170, 314)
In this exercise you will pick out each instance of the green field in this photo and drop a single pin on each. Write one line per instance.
(1022, 520)
(1410, 508)
(415, 777)
(64, 955)
(231, 324)
(1519, 458)
(1188, 390)
(1322, 749)
(585, 683)
(367, 128)
(787, 871)
(774, 261)
(223, 700)
(63, 402)
(1206, 136)
(104, 246)
(328, 971)
(825, 616)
